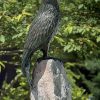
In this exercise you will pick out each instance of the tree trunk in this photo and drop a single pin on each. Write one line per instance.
(50, 82)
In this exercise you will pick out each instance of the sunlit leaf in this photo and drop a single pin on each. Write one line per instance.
(2, 38)
(98, 39)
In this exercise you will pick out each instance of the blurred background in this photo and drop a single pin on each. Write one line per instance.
(77, 44)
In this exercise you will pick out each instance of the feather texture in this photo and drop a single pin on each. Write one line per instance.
(41, 31)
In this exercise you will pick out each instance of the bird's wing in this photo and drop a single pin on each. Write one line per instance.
(40, 31)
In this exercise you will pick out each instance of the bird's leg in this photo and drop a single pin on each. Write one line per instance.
(45, 53)
(45, 49)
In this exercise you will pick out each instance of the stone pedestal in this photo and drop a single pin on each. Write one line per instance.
(50, 82)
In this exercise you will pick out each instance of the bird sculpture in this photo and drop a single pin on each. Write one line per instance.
(41, 31)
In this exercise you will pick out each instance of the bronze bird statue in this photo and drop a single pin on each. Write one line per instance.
(41, 31)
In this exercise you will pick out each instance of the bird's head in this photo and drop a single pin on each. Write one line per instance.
(53, 2)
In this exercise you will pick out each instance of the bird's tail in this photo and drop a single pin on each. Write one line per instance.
(26, 61)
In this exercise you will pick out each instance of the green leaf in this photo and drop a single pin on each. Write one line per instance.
(69, 29)
(2, 38)
(19, 17)
(17, 35)
(67, 48)
(80, 6)
(97, 1)
(98, 39)
(1, 65)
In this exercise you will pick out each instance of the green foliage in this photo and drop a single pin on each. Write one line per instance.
(8, 92)
(77, 44)
(1, 65)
